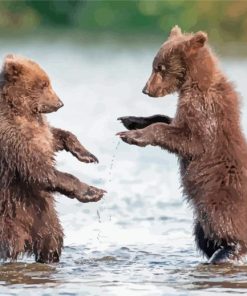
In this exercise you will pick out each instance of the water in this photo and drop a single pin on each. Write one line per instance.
(138, 239)
(108, 183)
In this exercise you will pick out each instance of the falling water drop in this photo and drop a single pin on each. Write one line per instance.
(112, 163)
(102, 207)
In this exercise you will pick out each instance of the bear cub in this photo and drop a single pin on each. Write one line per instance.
(28, 177)
(206, 136)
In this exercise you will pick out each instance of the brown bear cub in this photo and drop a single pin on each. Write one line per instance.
(28, 219)
(206, 136)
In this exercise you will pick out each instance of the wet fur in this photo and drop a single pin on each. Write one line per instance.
(28, 219)
(206, 136)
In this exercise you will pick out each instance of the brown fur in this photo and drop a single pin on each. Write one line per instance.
(28, 219)
(206, 135)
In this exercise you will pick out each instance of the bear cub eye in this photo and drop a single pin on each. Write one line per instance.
(161, 68)
(44, 84)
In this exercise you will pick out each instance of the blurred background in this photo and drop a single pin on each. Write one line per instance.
(138, 239)
(225, 21)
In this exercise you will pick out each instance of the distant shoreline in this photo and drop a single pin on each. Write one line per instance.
(102, 38)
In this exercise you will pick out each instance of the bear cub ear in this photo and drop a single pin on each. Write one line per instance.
(197, 41)
(12, 68)
(175, 31)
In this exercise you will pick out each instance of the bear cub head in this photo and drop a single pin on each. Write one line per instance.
(171, 64)
(26, 87)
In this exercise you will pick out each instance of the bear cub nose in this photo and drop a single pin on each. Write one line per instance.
(60, 104)
(145, 90)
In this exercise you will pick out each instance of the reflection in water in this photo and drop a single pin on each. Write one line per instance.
(132, 270)
(226, 276)
(27, 274)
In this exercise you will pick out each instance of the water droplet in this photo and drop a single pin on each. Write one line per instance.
(101, 211)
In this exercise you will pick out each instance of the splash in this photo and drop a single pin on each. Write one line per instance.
(112, 164)
(102, 209)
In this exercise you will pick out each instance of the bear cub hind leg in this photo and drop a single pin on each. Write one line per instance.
(48, 249)
(206, 246)
(217, 253)
(223, 255)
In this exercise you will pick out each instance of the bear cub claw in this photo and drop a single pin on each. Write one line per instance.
(134, 137)
(87, 158)
(92, 194)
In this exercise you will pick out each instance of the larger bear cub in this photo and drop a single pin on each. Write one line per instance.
(28, 177)
(206, 136)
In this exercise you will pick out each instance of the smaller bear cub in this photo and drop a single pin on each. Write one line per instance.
(28, 177)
